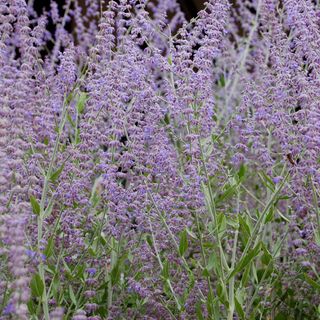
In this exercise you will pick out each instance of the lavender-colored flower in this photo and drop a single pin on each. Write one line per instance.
(9, 309)
(57, 314)
(91, 271)
(126, 141)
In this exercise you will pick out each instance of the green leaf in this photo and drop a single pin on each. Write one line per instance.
(149, 240)
(165, 270)
(167, 118)
(77, 136)
(222, 224)
(35, 205)
(266, 257)
(117, 269)
(230, 190)
(48, 210)
(103, 239)
(244, 226)
(71, 121)
(83, 98)
(264, 274)
(210, 299)
(245, 260)
(245, 276)
(115, 274)
(241, 172)
(233, 221)
(69, 98)
(212, 262)
(32, 307)
(267, 181)
(244, 229)
(281, 316)
(222, 294)
(48, 251)
(239, 309)
(191, 234)
(68, 271)
(54, 177)
(312, 283)
(92, 251)
(130, 257)
(72, 296)
(56, 285)
(270, 215)
(205, 272)
(222, 81)
(207, 147)
(46, 141)
(317, 236)
(36, 285)
(285, 197)
(199, 311)
(80, 272)
(183, 245)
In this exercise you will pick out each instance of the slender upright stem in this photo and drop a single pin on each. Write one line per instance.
(233, 262)
(41, 215)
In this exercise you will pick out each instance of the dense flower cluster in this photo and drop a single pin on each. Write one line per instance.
(157, 168)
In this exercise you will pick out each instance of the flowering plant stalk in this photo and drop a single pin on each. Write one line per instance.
(159, 168)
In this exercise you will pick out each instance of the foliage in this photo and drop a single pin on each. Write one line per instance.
(158, 168)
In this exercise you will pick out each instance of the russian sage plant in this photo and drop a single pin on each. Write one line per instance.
(153, 167)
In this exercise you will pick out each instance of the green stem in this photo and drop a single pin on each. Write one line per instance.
(233, 262)
(42, 210)
(203, 254)
(259, 225)
(265, 273)
(315, 200)
(213, 213)
(114, 258)
(161, 265)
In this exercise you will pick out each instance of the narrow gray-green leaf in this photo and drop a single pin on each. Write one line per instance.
(239, 309)
(183, 244)
(37, 286)
(82, 102)
(48, 251)
(245, 260)
(72, 296)
(313, 283)
(35, 205)
(54, 177)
